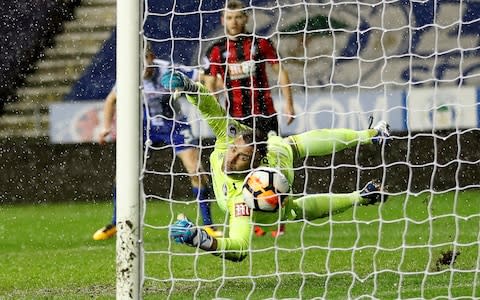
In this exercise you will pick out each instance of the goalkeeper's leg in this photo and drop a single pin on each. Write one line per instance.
(321, 142)
(311, 207)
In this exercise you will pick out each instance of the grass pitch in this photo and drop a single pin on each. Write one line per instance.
(424, 246)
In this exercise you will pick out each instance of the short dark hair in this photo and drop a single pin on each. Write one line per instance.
(258, 139)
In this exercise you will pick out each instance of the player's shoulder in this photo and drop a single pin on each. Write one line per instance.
(263, 39)
(248, 36)
(217, 43)
(264, 42)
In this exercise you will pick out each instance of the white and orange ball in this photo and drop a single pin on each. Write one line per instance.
(265, 189)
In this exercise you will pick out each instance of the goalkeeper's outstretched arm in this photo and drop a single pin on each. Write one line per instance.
(234, 248)
(197, 94)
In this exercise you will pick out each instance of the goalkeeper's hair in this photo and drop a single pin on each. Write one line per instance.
(257, 138)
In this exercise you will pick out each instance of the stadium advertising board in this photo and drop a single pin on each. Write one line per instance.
(79, 122)
(415, 110)
(446, 108)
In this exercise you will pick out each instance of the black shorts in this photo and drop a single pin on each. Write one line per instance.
(263, 123)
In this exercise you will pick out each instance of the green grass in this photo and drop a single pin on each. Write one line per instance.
(389, 251)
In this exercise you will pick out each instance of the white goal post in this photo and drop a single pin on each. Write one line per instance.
(129, 263)
(415, 64)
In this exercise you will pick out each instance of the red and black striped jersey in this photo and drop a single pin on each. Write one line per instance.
(242, 65)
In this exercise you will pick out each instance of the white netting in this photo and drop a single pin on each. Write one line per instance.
(414, 64)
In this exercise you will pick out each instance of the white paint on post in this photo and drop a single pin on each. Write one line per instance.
(129, 258)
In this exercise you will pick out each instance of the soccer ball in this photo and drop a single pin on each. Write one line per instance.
(264, 189)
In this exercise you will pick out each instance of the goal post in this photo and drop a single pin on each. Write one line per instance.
(128, 151)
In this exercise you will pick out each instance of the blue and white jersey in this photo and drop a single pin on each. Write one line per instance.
(163, 119)
(158, 102)
(161, 106)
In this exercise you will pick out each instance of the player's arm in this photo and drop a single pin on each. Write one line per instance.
(210, 110)
(214, 84)
(284, 81)
(210, 82)
(197, 94)
(234, 248)
(108, 113)
(183, 231)
(212, 78)
(270, 53)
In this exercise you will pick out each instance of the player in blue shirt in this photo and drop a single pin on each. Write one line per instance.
(163, 123)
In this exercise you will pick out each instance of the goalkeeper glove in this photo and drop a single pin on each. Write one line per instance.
(183, 231)
(174, 80)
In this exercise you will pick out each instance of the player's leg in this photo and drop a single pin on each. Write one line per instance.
(262, 123)
(266, 124)
(320, 142)
(110, 229)
(184, 144)
(311, 207)
(190, 158)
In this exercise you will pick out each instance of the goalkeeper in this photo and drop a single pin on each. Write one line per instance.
(238, 150)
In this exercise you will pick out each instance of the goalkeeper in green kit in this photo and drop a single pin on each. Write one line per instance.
(238, 150)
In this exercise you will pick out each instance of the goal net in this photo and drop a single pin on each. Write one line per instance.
(414, 64)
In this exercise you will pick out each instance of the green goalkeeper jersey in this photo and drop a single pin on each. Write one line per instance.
(228, 189)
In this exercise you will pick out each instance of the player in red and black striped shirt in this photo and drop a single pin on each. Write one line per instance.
(239, 61)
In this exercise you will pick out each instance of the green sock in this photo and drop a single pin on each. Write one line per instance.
(320, 142)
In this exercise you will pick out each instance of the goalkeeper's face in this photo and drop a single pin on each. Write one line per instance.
(240, 157)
